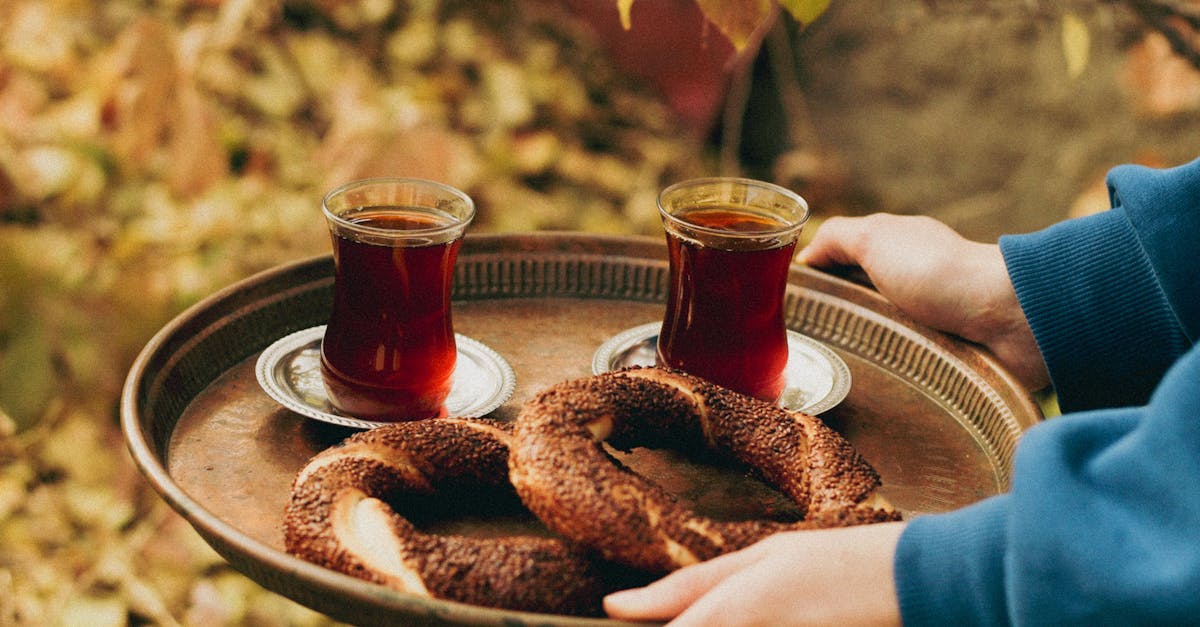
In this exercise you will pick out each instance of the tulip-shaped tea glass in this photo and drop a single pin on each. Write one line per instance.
(389, 353)
(730, 242)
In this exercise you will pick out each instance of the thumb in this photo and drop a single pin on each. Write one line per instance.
(836, 243)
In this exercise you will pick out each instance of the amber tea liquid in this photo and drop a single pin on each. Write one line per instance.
(724, 318)
(389, 352)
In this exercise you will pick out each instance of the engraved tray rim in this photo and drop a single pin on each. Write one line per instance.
(162, 380)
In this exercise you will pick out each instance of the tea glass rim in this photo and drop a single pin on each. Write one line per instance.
(459, 221)
(792, 225)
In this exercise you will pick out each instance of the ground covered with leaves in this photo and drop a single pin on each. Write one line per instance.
(154, 152)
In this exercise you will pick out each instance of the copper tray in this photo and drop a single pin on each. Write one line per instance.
(938, 418)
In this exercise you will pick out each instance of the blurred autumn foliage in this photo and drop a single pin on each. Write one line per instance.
(152, 152)
(152, 156)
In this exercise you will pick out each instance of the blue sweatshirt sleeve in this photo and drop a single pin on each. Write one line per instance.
(1100, 526)
(1114, 298)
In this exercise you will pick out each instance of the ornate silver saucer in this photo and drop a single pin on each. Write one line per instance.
(816, 379)
(289, 370)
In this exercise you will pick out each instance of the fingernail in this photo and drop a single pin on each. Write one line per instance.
(620, 595)
(623, 598)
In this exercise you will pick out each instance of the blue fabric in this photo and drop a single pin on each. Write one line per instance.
(948, 567)
(1102, 524)
(1101, 319)
(1164, 207)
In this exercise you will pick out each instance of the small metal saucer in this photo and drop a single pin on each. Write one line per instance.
(290, 372)
(816, 379)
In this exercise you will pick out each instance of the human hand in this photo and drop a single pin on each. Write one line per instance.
(811, 577)
(939, 279)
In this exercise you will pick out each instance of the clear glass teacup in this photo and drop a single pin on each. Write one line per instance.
(731, 242)
(389, 351)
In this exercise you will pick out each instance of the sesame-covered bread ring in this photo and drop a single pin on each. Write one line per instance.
(565, 477)
(338, 517)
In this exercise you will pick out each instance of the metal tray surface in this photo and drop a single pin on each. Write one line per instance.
(937, 417)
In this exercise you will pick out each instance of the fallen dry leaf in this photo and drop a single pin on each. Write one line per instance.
(1158, 82)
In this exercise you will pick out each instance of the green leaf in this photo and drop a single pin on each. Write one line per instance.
(27, 374)
(805, 11)
(1076, 43)
(736, 19)
(624, 7)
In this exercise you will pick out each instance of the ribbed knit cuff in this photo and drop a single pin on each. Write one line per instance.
(949, 568)
(1101, 320)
